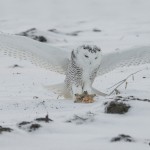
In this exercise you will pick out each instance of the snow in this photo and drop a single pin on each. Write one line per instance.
(124, 24)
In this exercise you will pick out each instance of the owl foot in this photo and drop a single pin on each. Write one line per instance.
(84, 97)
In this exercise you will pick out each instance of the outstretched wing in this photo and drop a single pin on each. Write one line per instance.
(41, 54)
(129, 57)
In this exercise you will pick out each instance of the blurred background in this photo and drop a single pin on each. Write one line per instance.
(111, 24)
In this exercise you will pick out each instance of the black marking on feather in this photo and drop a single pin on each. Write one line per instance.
(73, 55)
(91, 49)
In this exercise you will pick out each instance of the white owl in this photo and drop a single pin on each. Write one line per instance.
(85, 63)
(82, 69)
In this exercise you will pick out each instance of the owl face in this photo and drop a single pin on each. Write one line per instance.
(88, 56)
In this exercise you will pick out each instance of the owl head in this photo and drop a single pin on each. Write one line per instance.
(87, 56)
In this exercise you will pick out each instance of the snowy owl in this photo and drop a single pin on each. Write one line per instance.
(81, 68)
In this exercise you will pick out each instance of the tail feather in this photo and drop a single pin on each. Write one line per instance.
(59, 89)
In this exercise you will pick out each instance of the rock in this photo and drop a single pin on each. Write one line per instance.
(23, 123)
(46, 119)
(29, 126)
(54, 30)
(4, 129)
(97, 30)
(25, 33)
(123, 137)
(16, 66)
(40, 38)
(33, 33)
(117, 107)
(34, 127)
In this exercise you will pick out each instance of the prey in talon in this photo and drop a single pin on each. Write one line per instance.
(84, 97)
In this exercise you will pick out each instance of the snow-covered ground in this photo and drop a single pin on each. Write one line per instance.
(123, 24)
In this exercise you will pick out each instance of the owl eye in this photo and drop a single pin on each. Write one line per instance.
(95, 57)
(86, 56)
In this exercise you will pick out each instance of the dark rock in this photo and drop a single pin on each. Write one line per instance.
(23, 123)
(35, 97)
(16, 66)
(97, 30)
(29, 126)
(32, 33)
(46, 119)
(40, 38)
(123, 137)
(4, 129)
(25, 33)
(54, 30)
(130, 98)
(34, 127)
(117, 108)
(146, 100)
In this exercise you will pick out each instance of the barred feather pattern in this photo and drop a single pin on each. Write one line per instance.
(74, 75)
